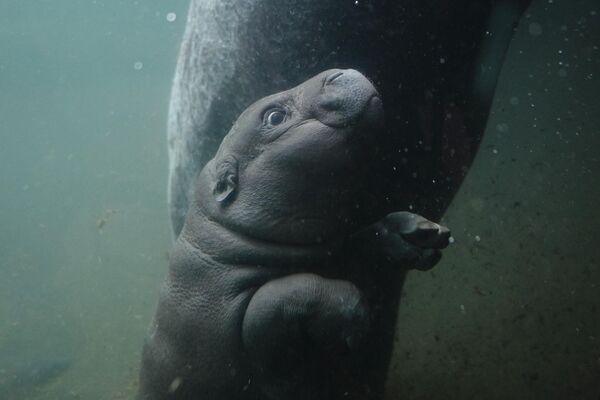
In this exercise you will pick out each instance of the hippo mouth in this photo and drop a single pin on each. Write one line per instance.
(373, 111)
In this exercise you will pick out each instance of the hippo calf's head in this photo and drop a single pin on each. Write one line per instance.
(291, 168)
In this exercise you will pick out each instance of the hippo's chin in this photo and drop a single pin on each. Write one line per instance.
(299, 231)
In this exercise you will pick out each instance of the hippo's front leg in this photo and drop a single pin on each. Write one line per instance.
(293, 325)
(405, 239)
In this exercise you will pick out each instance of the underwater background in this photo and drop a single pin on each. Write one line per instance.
(512, 311)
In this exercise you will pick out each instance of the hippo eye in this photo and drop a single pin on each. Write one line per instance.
(275, 117)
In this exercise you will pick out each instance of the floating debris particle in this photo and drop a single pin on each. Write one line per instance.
(175, 384)
(171, 17)
(105, 217)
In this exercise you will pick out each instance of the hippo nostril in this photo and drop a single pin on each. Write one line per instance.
(333, 77)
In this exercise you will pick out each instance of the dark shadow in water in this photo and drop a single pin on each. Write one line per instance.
(24, 372)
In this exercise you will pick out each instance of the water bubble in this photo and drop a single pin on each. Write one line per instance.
(514, 101)
(562, 72)
(171, 17)
(477, 238)
(138, 65)
(535, 29)
(503, 127)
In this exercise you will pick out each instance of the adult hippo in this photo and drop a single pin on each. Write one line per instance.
(435, 62)
(283, 282)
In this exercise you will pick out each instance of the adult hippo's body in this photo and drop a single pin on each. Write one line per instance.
(283, 282)
(435, 63)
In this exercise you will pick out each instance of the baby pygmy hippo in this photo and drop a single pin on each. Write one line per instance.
(283, 284)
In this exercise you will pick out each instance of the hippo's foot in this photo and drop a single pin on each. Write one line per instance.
(409, 240)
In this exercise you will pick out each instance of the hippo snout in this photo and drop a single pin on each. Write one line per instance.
(347, 96)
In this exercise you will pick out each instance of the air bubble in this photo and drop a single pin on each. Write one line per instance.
(503, 127)
(171, 17)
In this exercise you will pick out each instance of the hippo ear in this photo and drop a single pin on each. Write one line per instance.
(226, 179)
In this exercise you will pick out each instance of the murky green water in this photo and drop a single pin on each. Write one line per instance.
(512, 311)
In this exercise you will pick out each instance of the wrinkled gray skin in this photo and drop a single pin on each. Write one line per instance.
(278, 288)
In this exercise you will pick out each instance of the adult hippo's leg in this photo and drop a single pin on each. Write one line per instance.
(436, 63)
